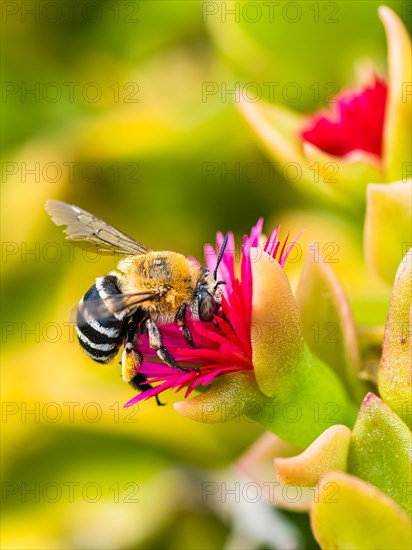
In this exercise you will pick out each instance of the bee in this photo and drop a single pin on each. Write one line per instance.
(148, 289)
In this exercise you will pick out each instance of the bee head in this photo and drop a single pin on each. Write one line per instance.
(208, 296)
(206, 304)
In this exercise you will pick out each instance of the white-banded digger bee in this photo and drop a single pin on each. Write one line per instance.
(147, 290)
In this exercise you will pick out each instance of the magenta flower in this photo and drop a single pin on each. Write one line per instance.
(224, 346)
(355, 123)
(365, 138)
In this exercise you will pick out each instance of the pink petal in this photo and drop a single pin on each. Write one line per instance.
(355, 123)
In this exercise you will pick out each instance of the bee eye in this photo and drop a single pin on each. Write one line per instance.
(206, 305)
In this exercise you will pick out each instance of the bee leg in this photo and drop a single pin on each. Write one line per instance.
(223, 316)
(134, 326)
(138, 382)
(156, 343)
(131, 357)
(180, 320)
(131, 361)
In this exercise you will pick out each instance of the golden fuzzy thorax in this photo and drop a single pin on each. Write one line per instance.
(172, 272)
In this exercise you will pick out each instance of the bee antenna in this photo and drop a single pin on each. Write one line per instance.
(221, 252)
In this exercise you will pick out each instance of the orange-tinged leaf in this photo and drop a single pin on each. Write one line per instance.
(224, 401)
(328, 452)
(279, 347)
(257, 465)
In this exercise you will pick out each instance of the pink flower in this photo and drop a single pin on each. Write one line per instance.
(355, 124)
(224, 346)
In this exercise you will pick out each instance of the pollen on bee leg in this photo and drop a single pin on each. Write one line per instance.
(131, 361)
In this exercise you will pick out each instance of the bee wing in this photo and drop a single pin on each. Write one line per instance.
(119, 305)
(83, 226)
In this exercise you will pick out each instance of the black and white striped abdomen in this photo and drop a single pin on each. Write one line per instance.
(100, 337)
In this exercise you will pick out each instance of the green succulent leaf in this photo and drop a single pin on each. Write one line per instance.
(394, 376)
(346, 177)
(380, 450)
(328, 325)
(309, 401)
(397, 143)
(352, 514)
(387, 226)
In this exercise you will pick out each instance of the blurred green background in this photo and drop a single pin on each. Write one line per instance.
(120, 107)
